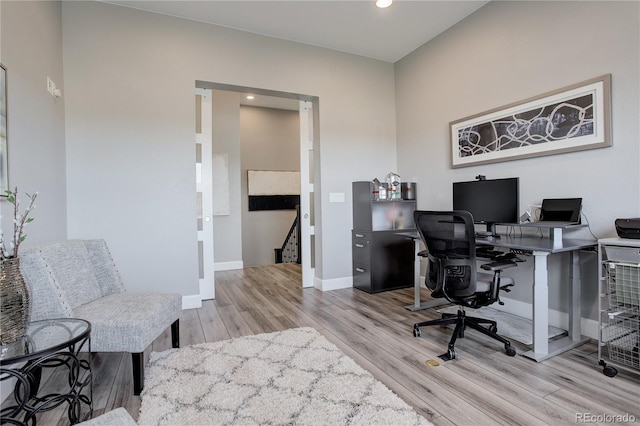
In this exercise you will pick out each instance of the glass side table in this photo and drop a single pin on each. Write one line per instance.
(52, 344)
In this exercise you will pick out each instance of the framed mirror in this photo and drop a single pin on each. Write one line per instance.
(4, 176)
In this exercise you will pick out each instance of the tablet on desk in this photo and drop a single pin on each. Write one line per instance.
(560, 211)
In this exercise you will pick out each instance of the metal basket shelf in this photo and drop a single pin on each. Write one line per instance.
(622, 338)
(624, 284)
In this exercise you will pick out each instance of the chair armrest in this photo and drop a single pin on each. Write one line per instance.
(498, 265)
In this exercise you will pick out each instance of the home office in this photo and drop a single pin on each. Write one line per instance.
(494, 204)
(127, 79)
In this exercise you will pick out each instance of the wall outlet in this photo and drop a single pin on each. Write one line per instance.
(51, 86)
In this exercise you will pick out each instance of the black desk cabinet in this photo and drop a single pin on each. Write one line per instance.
(382, 260)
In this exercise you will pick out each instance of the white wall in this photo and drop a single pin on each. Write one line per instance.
(31, 50)
(509, 51)
(270, 140)
(129, 78)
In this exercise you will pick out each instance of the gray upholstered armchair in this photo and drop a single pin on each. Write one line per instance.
(79, 279)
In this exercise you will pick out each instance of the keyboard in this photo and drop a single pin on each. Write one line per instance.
(487, 252)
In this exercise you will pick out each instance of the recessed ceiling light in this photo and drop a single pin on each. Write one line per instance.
(383, 3)
(250, 97)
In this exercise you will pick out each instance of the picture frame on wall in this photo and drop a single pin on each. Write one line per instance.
(273, 189)
(572, 118)
(4, 175)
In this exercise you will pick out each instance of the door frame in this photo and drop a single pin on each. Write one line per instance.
(308, 142)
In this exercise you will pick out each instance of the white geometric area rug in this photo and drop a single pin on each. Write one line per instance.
(289, 377)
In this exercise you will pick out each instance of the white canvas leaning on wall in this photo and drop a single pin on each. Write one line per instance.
(273, 182)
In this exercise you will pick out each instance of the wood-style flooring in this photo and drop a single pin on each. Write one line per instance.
(482, 387)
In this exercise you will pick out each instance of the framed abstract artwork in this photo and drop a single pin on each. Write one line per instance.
(572, 118)
(4, 175)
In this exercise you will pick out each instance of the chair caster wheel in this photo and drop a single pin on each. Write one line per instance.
(509, 350)
(610, 372)
(417, 332)
(448, 356)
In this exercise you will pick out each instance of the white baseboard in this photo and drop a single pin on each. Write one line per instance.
(191, 302)
(228, 266)
(333, 284)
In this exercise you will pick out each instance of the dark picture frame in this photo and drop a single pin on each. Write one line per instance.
(572, 118)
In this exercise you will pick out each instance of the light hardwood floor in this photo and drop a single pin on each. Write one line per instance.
(482, 386)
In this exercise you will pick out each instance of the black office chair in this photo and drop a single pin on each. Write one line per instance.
(451, 273)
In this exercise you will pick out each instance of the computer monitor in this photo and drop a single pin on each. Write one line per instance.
(489, 201)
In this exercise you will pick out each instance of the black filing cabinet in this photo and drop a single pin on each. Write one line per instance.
(382, 259)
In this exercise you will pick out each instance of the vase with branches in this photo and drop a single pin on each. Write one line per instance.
(14, 295)
(20, 220)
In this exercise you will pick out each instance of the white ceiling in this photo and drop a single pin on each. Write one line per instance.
(357, 26)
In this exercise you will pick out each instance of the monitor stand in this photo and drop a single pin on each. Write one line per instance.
(491, 227)
(490, 232)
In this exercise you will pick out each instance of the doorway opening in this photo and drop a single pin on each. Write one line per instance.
(224, 238)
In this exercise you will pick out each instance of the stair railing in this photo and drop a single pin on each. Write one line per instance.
(290, 250)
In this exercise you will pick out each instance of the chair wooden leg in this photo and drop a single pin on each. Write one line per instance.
(175, 334)
(138, 372)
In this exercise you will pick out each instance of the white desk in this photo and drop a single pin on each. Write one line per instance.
(541, 247)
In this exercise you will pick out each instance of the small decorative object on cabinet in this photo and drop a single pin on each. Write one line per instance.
(619, 303)
(382, 259)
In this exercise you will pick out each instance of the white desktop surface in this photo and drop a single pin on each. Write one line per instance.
(624, 242)
(546, 224)
(534, 243)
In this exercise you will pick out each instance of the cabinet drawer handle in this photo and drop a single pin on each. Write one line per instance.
(360, 245)
(359, 270)
(360, 235)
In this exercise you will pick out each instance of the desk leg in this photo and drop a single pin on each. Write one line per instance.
(542, 348)
(416, 273)
(417, 306)
(540, 304)
(575, 310)
(575, 337)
